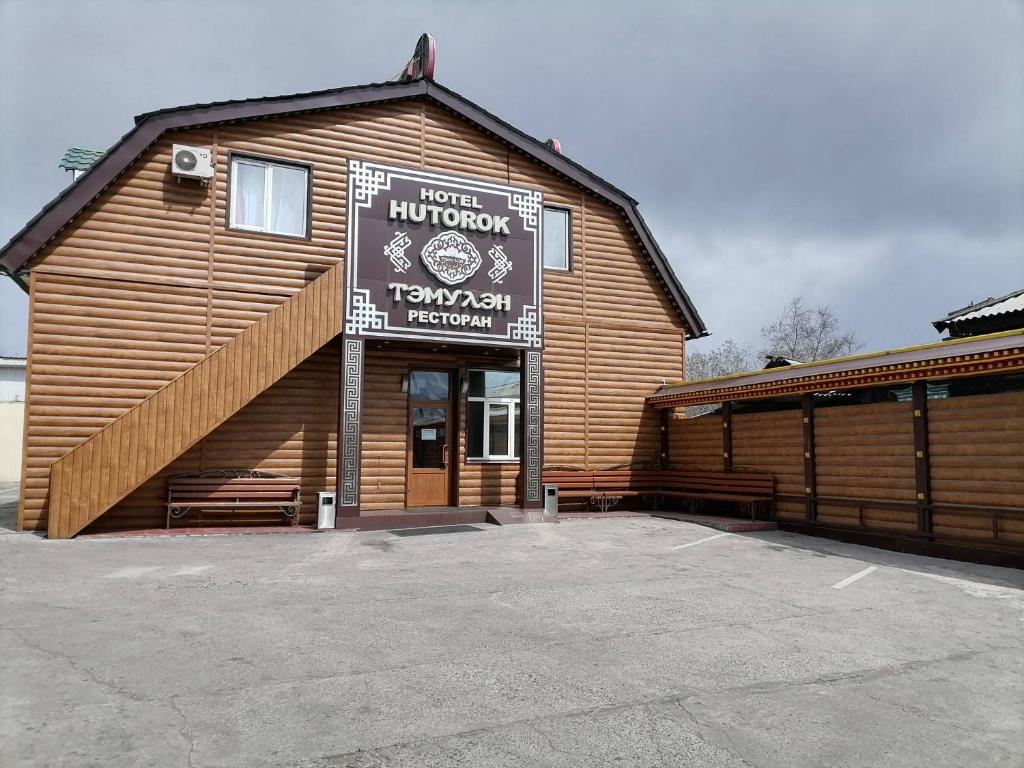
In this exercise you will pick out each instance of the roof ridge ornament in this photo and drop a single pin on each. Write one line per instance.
(421, 65)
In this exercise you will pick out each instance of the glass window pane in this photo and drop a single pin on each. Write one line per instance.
(288, 200)
(428, 437)
(477, 383)
(247, 195)
(475, 430)
(518, 437)
(494, 383)
(556, 238)
(498, 418)
(428, 385)
(502, 384)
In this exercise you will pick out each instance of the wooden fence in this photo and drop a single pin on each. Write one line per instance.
(946, 470)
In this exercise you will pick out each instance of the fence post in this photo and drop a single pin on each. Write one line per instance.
(665, 420)
(922, 464)
(727, 436)
(810, 474)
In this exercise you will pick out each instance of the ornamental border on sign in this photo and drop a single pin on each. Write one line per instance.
(363, 319)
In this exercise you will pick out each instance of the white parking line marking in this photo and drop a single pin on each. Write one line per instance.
(974, 588)
(859, 575)
(132, 571)
(191, 570)
(701, 541)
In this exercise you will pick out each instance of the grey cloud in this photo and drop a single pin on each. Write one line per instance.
(770, 143)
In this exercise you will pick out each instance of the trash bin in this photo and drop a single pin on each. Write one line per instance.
(325, 510)
(551, 499)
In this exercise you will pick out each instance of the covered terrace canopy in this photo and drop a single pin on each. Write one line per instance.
(996, 353)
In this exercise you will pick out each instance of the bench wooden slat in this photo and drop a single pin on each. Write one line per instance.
(609, 486)
(219, 494)
(254, 493)
(247, 483)
(228, 504)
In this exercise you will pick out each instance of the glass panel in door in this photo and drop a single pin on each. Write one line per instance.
(429, 438)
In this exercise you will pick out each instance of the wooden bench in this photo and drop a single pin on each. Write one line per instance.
(753, 490)
(604, 488)
(226, 490)
(572, 484)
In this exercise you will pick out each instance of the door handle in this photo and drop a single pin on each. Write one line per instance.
(444, 455)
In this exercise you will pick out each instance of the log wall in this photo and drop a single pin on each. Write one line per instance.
(695, 443)
(385, 430)
(867, 452)
(113, 462)
(977, 457)
(149, 280)
(772, 442)
(291, 428)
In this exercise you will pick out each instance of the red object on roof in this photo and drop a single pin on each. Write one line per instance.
(422, 62)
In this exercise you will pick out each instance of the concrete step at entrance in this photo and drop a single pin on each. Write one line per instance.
(517, 516)
(383, 519)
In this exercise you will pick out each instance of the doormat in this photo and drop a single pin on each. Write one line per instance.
(436, 529)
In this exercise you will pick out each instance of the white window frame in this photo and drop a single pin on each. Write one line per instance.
(568, 238)
(513, 425)
(268, 194)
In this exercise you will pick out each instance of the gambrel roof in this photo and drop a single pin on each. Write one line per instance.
(149, 127)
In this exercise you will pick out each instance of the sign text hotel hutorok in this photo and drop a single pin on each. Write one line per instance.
(442, 257)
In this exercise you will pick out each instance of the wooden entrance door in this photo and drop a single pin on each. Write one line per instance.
(431, 439)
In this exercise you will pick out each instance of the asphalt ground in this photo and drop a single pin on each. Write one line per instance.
(626, 642)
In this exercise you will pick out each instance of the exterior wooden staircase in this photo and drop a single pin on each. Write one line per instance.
(112, 463)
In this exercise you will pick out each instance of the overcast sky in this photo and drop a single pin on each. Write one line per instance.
(865, 155)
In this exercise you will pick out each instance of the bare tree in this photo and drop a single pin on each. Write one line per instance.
(804, 333)
(800, 333)
(728, 357)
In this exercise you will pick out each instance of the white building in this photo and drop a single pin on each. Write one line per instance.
(12, 417)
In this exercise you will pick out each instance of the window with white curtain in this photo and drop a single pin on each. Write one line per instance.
(492, 416)
(269, 197)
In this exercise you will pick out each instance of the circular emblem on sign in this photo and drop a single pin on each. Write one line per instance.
(451, 258)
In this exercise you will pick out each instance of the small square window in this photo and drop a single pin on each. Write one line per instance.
(557, 238)
(269, 197)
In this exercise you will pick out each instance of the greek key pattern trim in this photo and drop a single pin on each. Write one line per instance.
(534, 453)
(351, 414)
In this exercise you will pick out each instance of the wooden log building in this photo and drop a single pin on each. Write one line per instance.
(383, 289)
(919, 448)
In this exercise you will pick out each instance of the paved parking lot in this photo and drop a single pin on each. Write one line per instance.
(627, 642)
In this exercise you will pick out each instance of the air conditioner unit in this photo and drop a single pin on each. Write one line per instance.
(191, 162)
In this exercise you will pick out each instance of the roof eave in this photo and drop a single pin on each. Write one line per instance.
(991, 353)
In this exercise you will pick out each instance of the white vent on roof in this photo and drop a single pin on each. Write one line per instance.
(191, 162)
